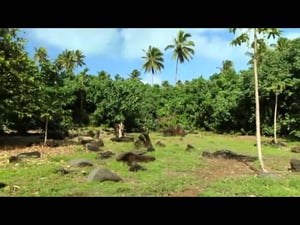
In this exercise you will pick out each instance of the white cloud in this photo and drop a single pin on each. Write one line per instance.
(211, 43)
(217, 48)
(127, 43)
(89, 41)
(135, 40)
(148, 79)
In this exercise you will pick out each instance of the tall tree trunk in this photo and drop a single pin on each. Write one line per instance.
(275, 118)
(46, 130)
(81, 107)
(152, 78)
(176, 71)
(121, 130)
(257, 111)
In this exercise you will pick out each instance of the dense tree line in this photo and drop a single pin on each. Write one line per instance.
(40, 93)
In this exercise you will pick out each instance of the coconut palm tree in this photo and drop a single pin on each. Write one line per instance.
(154, 60)
(103, 75)
(259, 47)
(66, 60)
(79, 58)
(135, 74)
(41, 55)
(227, 65)
(182, 49)
(282, 44)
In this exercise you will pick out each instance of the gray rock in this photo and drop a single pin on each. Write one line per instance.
(102, 174)
(295, 165)
(296, 149)
(136, 167)
(34, 154)
(80, 163)
(84, 139)
(2, 185)
(105, 155)
(92, 147)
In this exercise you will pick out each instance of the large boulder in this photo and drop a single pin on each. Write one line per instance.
(144, 141)
(122, 139)
(105, 155)
(94, 145)
(295, 165)
(102, 174)
(131, 157)
(34, 154)
(2, 185)
(296, 149)
(227, 154)
(84, 139)
(80, 163)
(136, 167)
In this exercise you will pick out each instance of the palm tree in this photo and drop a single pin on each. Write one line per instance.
(182, 49)
(282, 44)
(154, 60)
(278, 86)
(261, 50)
(135, 74)
(66, 60)
(227, 65)
(103, 75)
(79, 58)
(40, 55)
(165, 84)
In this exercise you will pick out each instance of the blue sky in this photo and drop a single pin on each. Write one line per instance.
(119, 51)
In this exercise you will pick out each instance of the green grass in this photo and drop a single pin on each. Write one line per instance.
(174, 170)
(254, 186)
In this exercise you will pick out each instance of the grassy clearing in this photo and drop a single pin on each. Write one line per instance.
(287, 186)
(174, 171)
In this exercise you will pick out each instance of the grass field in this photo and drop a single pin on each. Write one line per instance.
(175, 172)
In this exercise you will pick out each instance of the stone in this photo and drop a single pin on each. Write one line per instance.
(102, 174)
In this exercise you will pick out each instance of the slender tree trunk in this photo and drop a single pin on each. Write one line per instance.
(152, 78)
(81, 107)
(121, 130)
(46, 130)
(176, 71)
(275, 118)
(257, 111)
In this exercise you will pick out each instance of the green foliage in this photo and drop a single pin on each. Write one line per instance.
(69, 60)
(224, 103)
(19, 81)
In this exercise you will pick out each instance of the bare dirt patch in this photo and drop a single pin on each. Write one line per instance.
(216, 169)
(246, 137)
(17, 144)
